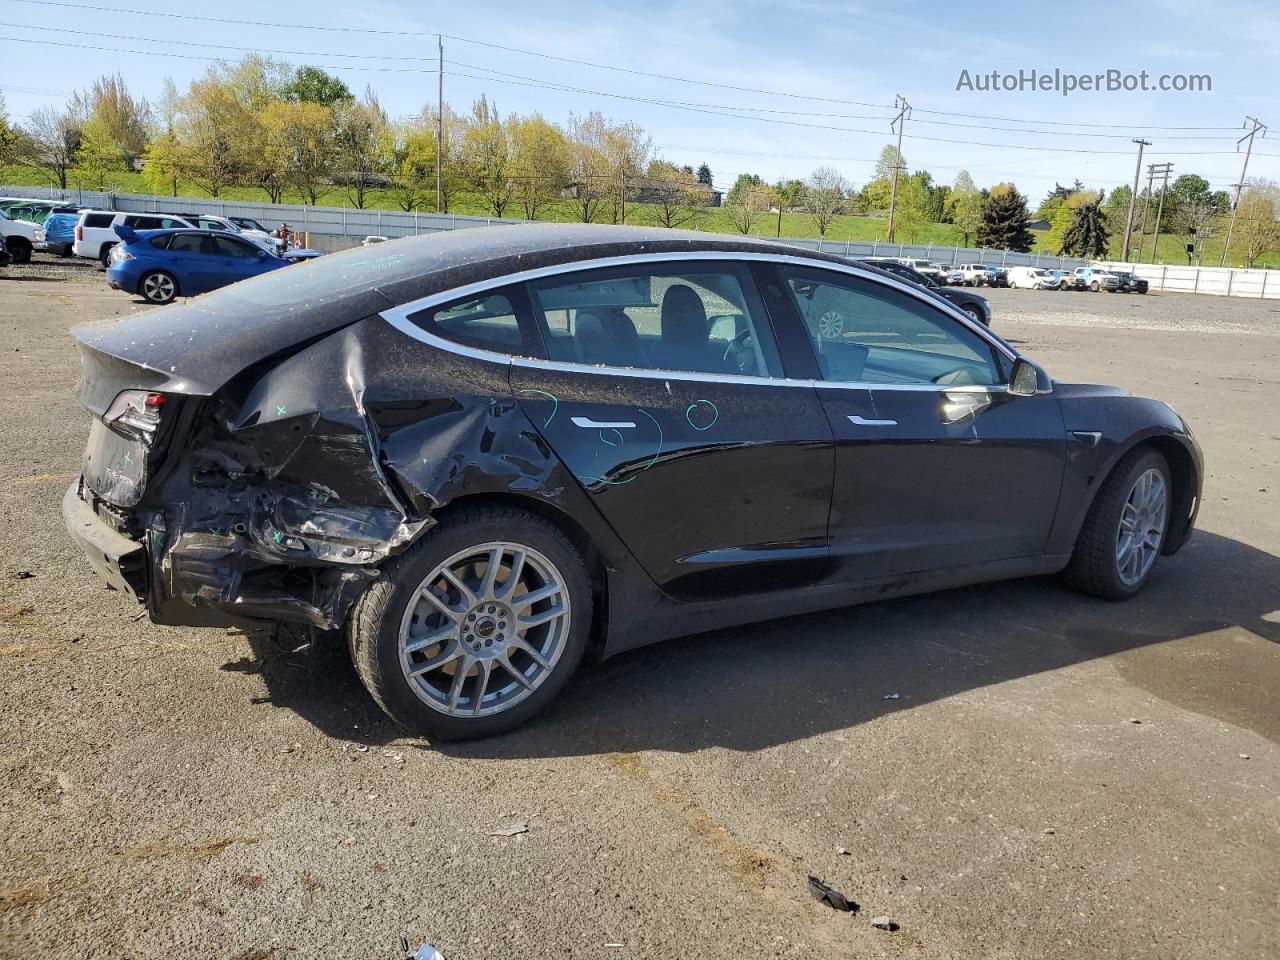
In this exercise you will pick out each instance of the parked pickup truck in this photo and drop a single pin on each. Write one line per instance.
(1132, 283)
(983, 275)
(20, 237)
(1095, 278)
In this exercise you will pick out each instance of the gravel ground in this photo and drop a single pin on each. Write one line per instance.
(1060, 777)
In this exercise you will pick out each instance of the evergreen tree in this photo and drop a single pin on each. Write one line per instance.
(1004, 220)
(704, 174)
(1087, 234)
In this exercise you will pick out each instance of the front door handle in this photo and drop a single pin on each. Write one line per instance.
(586, 423)
(864, 422)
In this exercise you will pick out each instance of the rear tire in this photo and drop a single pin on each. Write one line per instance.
(392, 626)
(19, 249)
(1100, 566)
(157, 287)
(104, 255)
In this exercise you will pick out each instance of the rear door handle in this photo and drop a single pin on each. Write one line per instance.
(586, 423)
(864, 422)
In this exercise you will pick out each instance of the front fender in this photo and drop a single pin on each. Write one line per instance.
(1103, 425)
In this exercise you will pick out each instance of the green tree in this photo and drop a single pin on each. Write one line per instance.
(1087, 234)
(409, 155)
(357, 132)
(965, 205)
(50, 140)
(99, 153)
(543, 165)
(126, 118)
(1004, 220)
(747, 183)
(791, 192)
(8, 135)
(313, 85)
(300, 146)
(1257, 223)
(704, 174)
(673, 194)
(487, 156)
(825, 195)
(162, 164)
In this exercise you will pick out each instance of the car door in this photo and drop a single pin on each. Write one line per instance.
(937, 465)
(663, 393)
(188, 257)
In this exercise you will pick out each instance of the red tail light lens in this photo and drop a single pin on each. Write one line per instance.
(79, 233)
(135, 414)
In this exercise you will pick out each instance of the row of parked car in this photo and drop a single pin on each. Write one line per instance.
(158, 256)
(1095, 279)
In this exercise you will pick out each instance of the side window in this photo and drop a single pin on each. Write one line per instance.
(161, 242)
(143, 223)
(189, 243)
(168, 223)
(868, 332)
(206, 224)
(227, 247)
(98, 220)
(487, 322)
(703, 317)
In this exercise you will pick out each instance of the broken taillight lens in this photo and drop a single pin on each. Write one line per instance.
(135, 414)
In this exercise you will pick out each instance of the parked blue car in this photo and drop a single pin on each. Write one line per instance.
(60, 231)
(159, 265)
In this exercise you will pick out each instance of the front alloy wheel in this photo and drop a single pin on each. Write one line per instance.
(1142, 523)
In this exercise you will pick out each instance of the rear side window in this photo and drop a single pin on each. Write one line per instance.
(99, 220)
(143, 223)
(189, 243)
(699, 318)
(227, 247)
(488, 322)
(161, 243)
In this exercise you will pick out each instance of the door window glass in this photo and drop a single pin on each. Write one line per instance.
(188, 243)
(98, 219)
(142, 223)
(868, 332)
(704, 318)
(227, 247)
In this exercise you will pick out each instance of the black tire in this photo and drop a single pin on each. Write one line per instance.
(104, 255)
(161, 291)
(975, 313)
(1094, 286)
(19, 249)
(1093, 568)
(373, 628)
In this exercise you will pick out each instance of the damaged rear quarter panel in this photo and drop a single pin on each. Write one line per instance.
(301, 478)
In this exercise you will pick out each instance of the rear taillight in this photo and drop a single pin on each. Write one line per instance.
(135, 414)
(79, 233)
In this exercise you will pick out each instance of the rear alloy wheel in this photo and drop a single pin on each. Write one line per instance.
(831, 325)
(19, 249)
(477, 627)
(1121, 538)
(157, 287)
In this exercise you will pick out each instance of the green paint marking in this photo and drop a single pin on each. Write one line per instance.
(128, 458)
(215, 531)
(278, 536)
(280, 411)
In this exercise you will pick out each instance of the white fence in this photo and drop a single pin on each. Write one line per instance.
(1218, 281)
(354, 224)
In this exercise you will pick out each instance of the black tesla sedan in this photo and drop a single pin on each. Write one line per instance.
(483, 453)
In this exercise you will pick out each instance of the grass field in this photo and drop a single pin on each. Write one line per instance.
(715, 220)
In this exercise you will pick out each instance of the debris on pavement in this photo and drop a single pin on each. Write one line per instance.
(1134, 720)
(23, 575)
(1049, 831)
(892, 696)
(831, 897)
(1244, 756)
(510, 831)
(883, 923)
(427, 952)
(842, 851)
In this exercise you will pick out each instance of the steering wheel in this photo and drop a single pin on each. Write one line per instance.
(738, 353)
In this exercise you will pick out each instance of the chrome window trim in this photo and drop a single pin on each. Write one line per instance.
(398, 317)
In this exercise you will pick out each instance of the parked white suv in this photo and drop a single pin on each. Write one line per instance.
(20, 237)
(96, 235)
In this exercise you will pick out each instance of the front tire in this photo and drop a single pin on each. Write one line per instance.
(157, 287)
(446, 640)
(975, 313)
(19, 249)
(1120, 540)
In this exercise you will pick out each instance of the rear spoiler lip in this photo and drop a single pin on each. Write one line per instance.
(127, 234)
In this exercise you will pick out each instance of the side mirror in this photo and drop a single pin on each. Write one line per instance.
(1025, 379)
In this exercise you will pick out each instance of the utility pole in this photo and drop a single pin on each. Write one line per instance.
(622, 196)
(1146, 205)
(1258, 125)
(439, 122)
(904, 111)
(1161, 169)
(1133, 199)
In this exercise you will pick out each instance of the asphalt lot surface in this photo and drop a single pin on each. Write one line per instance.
(172, 792)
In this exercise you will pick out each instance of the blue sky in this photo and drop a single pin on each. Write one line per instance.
(831, 60)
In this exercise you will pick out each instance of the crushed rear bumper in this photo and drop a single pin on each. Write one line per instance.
(121, 562)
